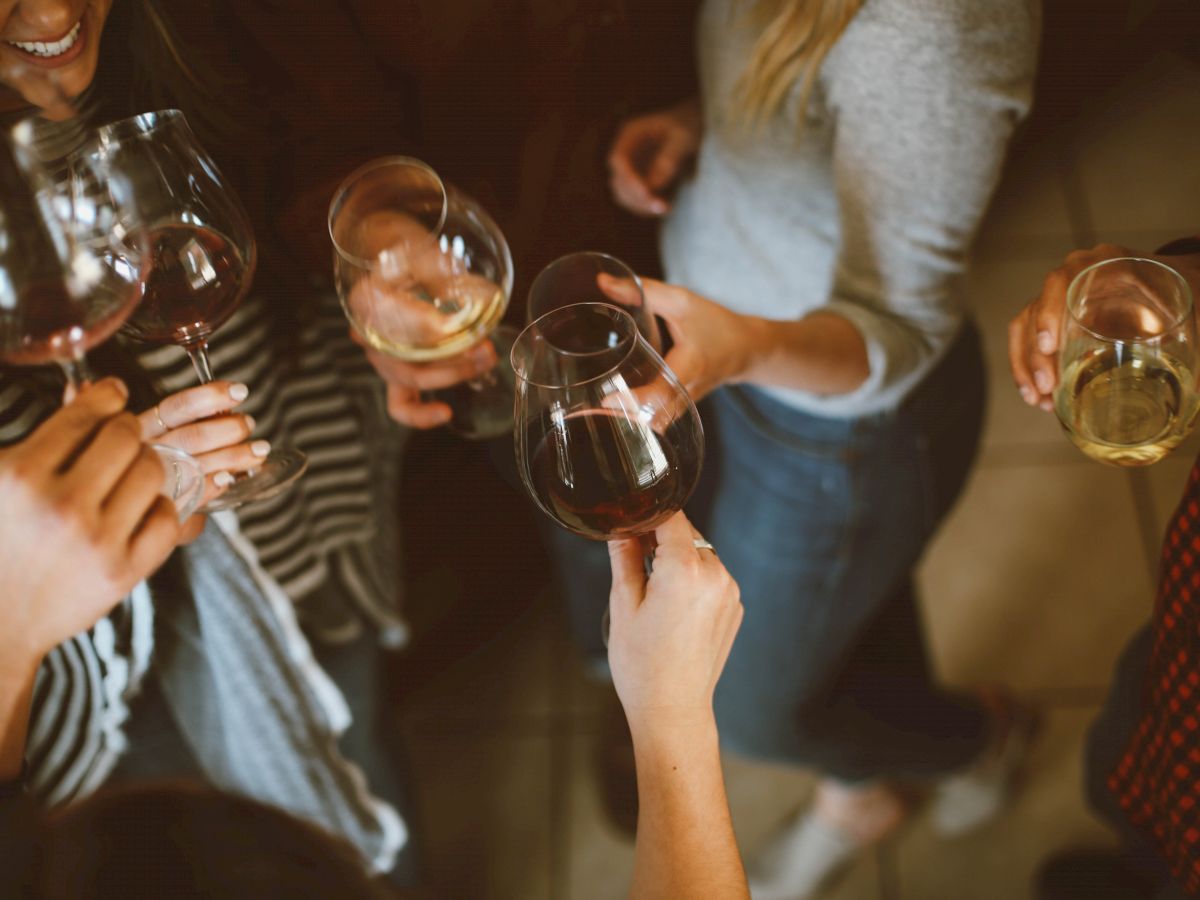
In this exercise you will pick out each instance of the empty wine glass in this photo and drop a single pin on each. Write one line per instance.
(1127, 368)
(171, 197)
(423, 274)
(66, 287)
(577, 278)
(608, 442)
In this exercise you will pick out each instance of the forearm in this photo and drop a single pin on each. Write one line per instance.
(823, 353)
(685, 843)
(17, 677)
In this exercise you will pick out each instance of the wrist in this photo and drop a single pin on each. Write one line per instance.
(656, 729)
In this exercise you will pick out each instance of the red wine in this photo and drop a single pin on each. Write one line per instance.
(49, 324)
(193, 284)
(602, 475)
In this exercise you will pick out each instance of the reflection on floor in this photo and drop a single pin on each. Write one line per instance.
(1036, 581)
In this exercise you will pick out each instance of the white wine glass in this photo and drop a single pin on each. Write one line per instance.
(1127, 369)
(423, 274)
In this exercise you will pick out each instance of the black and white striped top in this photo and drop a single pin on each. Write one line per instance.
(331, 541)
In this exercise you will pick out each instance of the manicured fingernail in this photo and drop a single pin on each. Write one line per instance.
(260, 448)
(1043, 382)
(1045, 343)
(250, 423)
(1029, 395)
(223, 479)
(239, 392)
(1046, 406)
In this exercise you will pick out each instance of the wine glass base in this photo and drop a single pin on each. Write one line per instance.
(276, 474)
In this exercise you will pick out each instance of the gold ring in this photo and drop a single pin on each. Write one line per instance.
(159, 419)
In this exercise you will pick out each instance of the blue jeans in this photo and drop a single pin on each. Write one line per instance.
(822, 522)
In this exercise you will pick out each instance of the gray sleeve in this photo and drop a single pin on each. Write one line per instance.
(926, 94)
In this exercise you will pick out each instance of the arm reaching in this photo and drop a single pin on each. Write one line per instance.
(670, 637)
(83, 523)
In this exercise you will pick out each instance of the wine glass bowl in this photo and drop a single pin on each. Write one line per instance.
(608, 443)
(65, 287)
(576, 278)
(174, 202)
(1127, 367)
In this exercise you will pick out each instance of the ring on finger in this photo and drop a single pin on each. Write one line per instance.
(159, 419)
(702, 544)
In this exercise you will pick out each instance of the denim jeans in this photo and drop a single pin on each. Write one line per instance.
(821, 521)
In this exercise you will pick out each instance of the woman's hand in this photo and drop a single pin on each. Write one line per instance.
(670, 633)
(712, 345)
(84, 521)
(199, 421)
(406, 380)
(649, 155)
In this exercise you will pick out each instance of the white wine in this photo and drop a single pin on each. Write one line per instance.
(431, 328)
(1126, 405)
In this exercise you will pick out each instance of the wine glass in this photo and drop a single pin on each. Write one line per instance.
(423, 274)
(1127, 369)
(66, 286)
(201, 251)
(575, 278)
(608, 442)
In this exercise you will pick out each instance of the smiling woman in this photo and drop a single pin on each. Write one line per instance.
(51, 49)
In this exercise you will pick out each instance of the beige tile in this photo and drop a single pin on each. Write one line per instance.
(484, 807)
(1137, 151)
(998, 861)
(599, 858)
(508, 675)
(763, 797)
(1037, 578)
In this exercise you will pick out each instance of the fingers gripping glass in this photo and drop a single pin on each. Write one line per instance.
(424, 274)
(66, 286)
(608, 443)
(170, 198)
(1127, 368)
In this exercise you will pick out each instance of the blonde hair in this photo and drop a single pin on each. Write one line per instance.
(794, 37)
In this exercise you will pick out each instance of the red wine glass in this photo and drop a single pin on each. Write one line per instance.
(201, 251)
(608, 442)
(66, 286)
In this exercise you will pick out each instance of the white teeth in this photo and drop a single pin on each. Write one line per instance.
(55, 48)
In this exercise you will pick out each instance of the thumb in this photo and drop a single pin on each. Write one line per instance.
(628, 576)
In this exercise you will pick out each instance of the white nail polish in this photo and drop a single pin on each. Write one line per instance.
(260, 448)
(239, 392)
(222, 479)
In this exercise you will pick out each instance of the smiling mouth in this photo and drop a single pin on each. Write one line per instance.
(50, 49)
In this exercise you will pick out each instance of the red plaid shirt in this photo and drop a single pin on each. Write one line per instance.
(1157, 781)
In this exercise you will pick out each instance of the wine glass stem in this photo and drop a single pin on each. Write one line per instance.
(198, 353)
(77, 372)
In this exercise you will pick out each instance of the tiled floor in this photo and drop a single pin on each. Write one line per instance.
(1036, 581)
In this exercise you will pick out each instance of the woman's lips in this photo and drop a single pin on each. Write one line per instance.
(51, 54)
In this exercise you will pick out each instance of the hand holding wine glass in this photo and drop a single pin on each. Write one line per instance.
(1127, 391)
(424, 276)
(170, 198)
(84, 521)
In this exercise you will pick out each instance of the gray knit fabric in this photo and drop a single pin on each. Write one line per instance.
(260, 717)
(870, 211)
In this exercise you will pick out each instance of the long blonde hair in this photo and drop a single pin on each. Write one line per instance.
(794, 37)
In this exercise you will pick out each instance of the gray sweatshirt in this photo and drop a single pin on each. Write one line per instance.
(869, 208)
